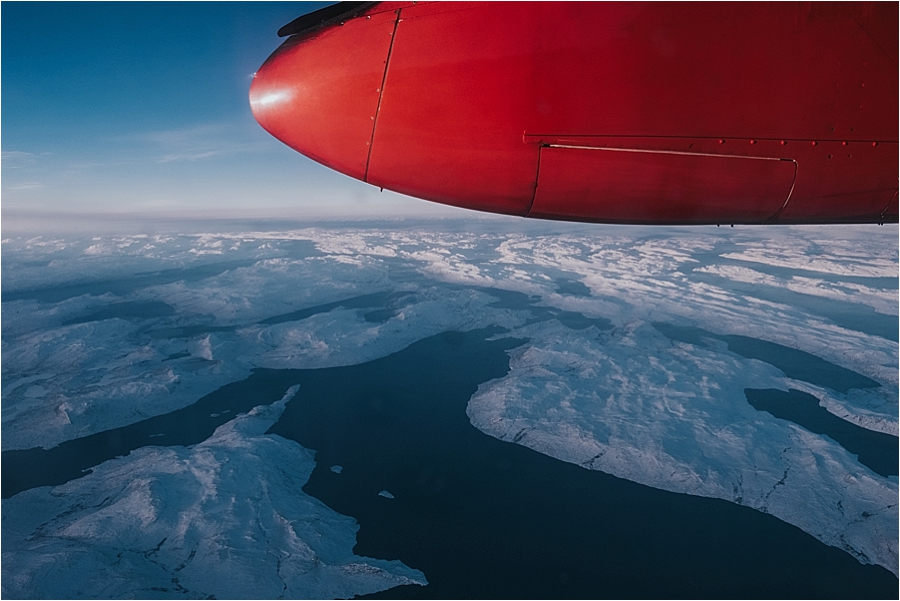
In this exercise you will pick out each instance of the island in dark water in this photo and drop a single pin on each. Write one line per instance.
(484, 518)
(480, 517)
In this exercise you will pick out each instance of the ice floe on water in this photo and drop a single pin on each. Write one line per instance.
(224, 518)
(106, 331)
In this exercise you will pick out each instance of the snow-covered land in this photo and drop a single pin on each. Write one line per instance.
(99, 333)
(640, 413)
(224, 518)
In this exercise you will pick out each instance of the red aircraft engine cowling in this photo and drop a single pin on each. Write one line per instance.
(660, 113)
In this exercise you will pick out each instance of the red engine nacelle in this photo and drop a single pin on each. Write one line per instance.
(621, 113)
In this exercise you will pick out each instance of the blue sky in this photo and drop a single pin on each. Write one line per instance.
(142, 108)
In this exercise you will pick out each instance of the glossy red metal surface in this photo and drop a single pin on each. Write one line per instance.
(319, 93)
(626, 113)
(673, 187)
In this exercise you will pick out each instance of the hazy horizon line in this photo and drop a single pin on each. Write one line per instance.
(17, 221)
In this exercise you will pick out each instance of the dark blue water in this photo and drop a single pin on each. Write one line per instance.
(572, 287)
(126, 310)
(366, 301)
(795, 364)
(488, 519)
(876, 450)
(481, 517)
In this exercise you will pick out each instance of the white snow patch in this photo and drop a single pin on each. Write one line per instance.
(201, 347)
